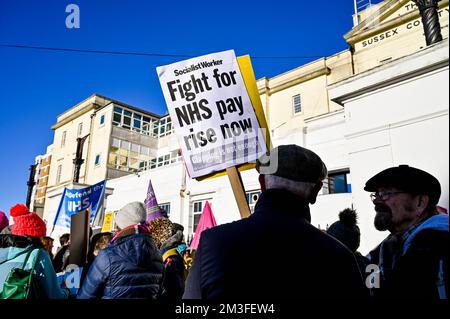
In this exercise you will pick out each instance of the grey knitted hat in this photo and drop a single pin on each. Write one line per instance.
(132, 214)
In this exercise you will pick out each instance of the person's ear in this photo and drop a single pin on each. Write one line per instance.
(262, 182)
(422, 204)
(314, 192)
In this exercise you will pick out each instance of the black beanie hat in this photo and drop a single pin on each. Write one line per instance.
(345, 230)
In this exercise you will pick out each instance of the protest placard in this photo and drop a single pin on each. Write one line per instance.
(108, 222)
(76, 200)
(212, 113)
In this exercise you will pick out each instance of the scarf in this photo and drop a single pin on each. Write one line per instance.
(132, 230)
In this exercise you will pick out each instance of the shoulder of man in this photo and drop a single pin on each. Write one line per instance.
(429, 240)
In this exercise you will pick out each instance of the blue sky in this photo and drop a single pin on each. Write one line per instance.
(36, 86)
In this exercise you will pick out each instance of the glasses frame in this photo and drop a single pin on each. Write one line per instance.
(384, 196)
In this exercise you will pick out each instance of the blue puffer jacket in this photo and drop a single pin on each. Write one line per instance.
(130, 268)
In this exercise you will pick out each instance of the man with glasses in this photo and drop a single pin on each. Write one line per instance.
(413, 259)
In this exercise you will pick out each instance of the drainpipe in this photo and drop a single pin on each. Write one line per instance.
(430, 20)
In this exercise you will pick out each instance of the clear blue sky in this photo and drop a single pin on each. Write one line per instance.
(36, 86)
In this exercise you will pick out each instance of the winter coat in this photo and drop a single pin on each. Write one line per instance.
(130, 268)
(60, 262)
(274, 254)
(44, 271)
(416, 265)
(173, 284)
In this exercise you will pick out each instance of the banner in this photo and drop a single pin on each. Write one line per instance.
(212, 113)
(76, 200)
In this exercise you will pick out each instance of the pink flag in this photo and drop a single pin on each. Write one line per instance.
(206, 221)
(151, 204)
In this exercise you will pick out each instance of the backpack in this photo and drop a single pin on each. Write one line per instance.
(21, 283)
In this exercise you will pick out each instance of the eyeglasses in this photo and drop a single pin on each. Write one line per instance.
(384, 196)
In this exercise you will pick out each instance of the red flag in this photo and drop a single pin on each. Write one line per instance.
(207, 221)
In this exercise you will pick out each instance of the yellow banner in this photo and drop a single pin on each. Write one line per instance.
(108, 223)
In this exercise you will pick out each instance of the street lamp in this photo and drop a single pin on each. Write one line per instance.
(78, 160)
(31, 183)
(430, 20)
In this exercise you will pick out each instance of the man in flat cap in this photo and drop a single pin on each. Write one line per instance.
(276, 253)
(413, 259)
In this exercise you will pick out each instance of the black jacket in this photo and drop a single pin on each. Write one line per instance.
(173, 283)
(274, 254)
(415, 266)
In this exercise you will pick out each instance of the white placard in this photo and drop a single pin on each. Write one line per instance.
(212, 113)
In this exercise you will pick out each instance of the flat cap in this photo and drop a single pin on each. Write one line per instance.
(408, 179)
(292, 162)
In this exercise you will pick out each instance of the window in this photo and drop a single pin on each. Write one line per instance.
(153, 163)
(166, 160)
(143, 165)
(102, 120)
(58, 174)
(252, 199)
(166, 207)
(117, 117)
(297, 103)
(145, 150)
(97, 160)
(63, 139)
(160, 161)
(116, 143)
(126, 119)
(337, 182)
(137, 121)
(80, 129)
(163, 127)
(197, 213)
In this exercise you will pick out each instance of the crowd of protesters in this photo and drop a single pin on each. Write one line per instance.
(274, 254)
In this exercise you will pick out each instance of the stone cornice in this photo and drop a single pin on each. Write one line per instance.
(74, 116)
(364, 30)
(297, 80)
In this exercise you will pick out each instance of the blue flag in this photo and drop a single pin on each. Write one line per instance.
(76, 200)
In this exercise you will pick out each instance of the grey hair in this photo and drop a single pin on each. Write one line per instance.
(302, 189)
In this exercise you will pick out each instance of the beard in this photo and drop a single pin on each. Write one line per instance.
(383, 218)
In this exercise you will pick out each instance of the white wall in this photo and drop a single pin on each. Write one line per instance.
(403, 123)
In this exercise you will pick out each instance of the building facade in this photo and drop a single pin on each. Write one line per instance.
(120, 140)
(39, 192)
